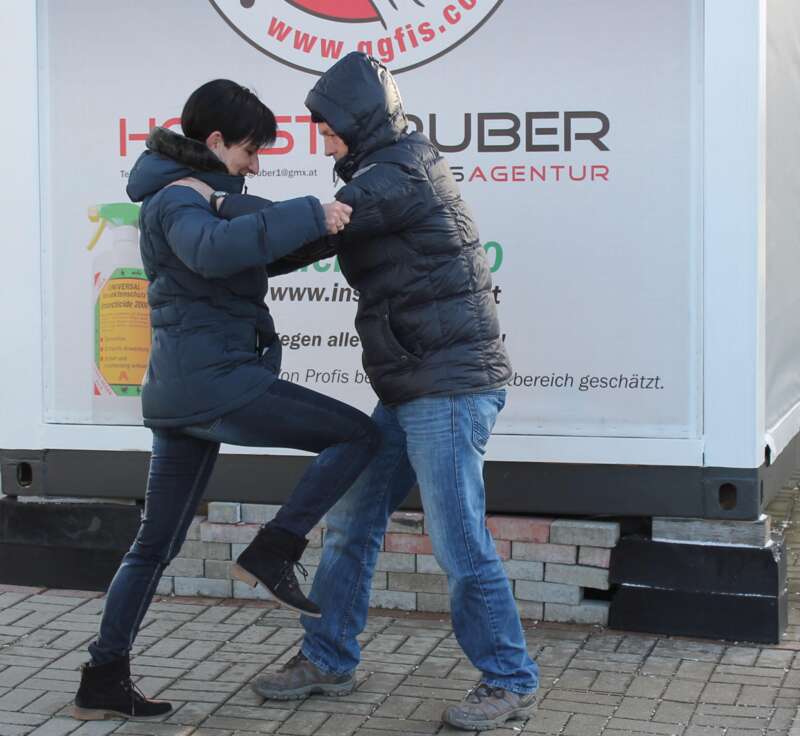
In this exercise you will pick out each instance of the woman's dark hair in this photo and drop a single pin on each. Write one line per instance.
(231, 109)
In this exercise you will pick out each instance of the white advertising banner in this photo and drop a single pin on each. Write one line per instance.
(783, 221)
(573, 128)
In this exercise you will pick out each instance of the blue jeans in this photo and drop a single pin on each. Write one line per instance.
(286, 415)
(439, 442)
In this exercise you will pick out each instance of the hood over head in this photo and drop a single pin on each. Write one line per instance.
(171, 156)
(359, 99)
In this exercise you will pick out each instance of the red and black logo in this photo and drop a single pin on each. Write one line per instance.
(310, 35)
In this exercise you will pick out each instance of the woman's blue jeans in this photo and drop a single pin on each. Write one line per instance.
(439, 442)
(287, 415)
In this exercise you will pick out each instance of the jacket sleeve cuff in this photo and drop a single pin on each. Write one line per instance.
(319, 217)
(291, 224)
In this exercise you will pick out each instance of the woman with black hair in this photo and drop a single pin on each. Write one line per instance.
(213, 373)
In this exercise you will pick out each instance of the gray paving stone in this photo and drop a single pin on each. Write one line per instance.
(757, 695)
(626, 725)
(720, 693)
(203, 587)
(261, 513)
(402, 562)
(547, 592)
(640, 709)
(397, 706)
(609, 701)
(303, 723)
(548, 722)
(585, 577)
(15, 675)
(655, 665)
(384, 682)
(224, 512)
(96, 728)
(585, 725)
(50, 703)
(18, 698)
(9, 729)
(56, 727)
(395, 599)
(611, 682)
(530, 610)
(732, 716)
(677, 713)
(186, 567)
(198, 550)
(584, 533)
(242, 724)
(433, 603)
(647, 686)
(417, 582)
(783, 719)
(203, 655)
(340, 725)
(217, 569)
(587, 612)
(524, 569)
(685, 691)
(696, 670)
(384, 725)
(704, 731)
(21, 719)
(191, 714)
(577, 706)
(152, 728)
(563, 553)
(406, 522)
(271, 710)
(342, 706)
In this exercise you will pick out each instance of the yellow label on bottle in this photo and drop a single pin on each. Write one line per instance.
(122, 331)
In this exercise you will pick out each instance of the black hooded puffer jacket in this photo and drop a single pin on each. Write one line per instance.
(426, 313)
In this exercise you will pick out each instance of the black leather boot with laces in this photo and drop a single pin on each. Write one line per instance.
(106, 691)
(270, 559)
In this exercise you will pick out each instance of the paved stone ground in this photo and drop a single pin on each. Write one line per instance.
(201, 654)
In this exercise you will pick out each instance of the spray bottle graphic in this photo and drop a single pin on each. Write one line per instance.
(120, 314)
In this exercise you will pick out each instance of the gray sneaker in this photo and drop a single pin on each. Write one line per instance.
(488, 707)
(298, 678)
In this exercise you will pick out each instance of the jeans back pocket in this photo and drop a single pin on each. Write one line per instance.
(484, 408)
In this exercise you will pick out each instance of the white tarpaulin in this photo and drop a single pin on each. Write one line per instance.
(572, 126)
(783, 211)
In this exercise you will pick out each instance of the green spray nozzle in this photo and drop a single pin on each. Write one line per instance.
(116, 214)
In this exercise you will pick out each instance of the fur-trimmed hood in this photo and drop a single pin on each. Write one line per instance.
(171, 156)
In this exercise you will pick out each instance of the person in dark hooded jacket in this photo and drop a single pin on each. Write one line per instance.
(213, 373)
(433, 351)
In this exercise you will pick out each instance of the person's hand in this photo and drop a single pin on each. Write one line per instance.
(200, 187)
(337, 215)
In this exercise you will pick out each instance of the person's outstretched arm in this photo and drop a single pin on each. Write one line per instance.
(217, 248)
(237, 205)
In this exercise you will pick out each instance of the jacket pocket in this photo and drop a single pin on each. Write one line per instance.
(240, 337)
(202, 349)
(394, 345)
